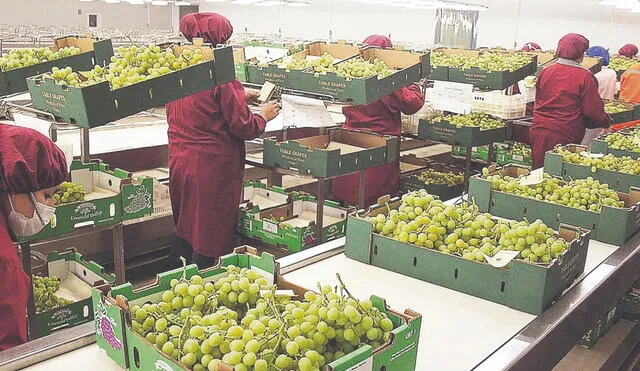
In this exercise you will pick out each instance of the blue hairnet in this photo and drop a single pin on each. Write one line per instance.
(598, 51)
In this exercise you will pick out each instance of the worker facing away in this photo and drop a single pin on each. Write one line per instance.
(607, 80)
(207, 132)
(31, 168)
(384, 117)
(628, 50)
(567, 100)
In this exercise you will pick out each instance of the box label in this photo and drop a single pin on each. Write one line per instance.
(138, 201)
(270, 227)
(366, 365)
(85, 211)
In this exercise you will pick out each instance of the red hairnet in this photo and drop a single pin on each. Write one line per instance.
(378, 41)
(629, 50)
(531, 47)
(572, 46)
(211, 27)
(29, 161)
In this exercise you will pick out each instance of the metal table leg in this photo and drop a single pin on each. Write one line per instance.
(467, 169)
(84, 145)
(361, 184)
(25, 250)
(118, 253)
(322, 182)
(274, 178)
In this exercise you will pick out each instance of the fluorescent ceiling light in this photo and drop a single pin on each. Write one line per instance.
(111, 1)
(243, 2)
(215, 1)
(298, 3)
(608, 2)
(86, 1)
(182, 3)
(159, 2)
(135, 2)
(271, 3)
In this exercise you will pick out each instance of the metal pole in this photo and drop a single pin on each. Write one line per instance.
(25, 250)
(361, 184)
(84, 145)
(467, 169)
(118, 253)
(322, 184)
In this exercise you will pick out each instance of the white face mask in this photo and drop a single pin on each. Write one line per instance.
(22, 226)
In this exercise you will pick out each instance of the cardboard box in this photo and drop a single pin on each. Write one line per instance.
(611, 225)
(463, 136)
(624, 116)
(410, 181)
(555, 165)
(109, 192)
(132, 352)
(97, 104)
(337, 153)
(599, 145)
(524, 286)
(93, 52)
(78, 276)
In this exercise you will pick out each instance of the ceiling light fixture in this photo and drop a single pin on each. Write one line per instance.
(270, 3)
(298, 3)
(243, 2)
(159, 2)
(86, 1)
(136, 2)
(215, 1)
(182, 3)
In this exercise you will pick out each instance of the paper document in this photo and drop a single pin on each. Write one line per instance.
(304, 112)
(451, 96)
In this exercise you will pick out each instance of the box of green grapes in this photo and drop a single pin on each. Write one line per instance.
(513, 192)
(621, 143)
(619, 111)
(77, 52)
(372, 74)
(62, 291)
(471, 130)
(338, 152)
(96, 196)
(523, 265)
(140, 78)
(243, 315)
(442, 180)
(291, 224)
(576, 162)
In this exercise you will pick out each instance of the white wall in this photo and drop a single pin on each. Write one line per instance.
(507, 22)
(65, 12)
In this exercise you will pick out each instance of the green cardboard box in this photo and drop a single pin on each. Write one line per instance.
(611, 225)
(93, 52)
(132, 352)
(524, 286)
(97, 104)
(599, 145)
(463, 136)
(78, 276)
(293, 225)
(337, 153)
(590, 339)
(555, 165)
(410, 181)
(107, 190)
(624, 116)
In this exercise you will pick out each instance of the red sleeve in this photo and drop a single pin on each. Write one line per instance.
(242, 122)
(14, 286)
(592, 105)
(407, 100)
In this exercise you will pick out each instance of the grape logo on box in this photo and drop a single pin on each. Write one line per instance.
(85, 211)
(138, 201)
(105, 327)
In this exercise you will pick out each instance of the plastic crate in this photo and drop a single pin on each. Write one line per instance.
(496, 104)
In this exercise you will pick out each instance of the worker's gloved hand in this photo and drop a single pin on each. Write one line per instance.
(251, 96)
(270, 110)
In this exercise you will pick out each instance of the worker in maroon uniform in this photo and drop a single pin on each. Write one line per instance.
(381, 116)
(567, 100)
(31, 168)
(207, 132)
(628, 50)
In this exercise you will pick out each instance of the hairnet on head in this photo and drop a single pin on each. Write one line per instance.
(629, 50)
(378, 41)
(29, 161)
(572, 46)
(211, 27)
(598, 51)
(531, 47)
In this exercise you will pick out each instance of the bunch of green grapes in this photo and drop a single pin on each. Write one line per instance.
(461, 230)
(583, 194)
(68, 192)
(624, 164)
(430, 176)
(628, 141)
(242, 321)
(481, 120)
(488, 61)
(621, 63)
(44, 291)
(18, 58)
(517, 148)
(616, 107)
(438, 58)
(360, 68)
(132, 65)
(319, 65)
